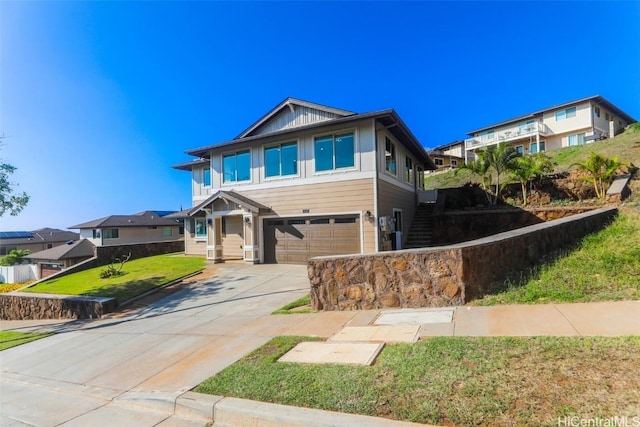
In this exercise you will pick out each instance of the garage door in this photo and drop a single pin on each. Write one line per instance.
(295, 240)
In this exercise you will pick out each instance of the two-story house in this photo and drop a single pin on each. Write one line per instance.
(36, 240)
(565, 125)
(305, 180)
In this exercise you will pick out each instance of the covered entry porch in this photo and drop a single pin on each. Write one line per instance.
(227, 222)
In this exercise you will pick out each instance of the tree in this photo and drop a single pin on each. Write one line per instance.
(501, 158)
(14, 257)
(601, 170)
(10, 202)
(479, 167)
(526, 169)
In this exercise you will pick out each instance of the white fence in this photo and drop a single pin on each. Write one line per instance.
(428, 196)
(18, 273)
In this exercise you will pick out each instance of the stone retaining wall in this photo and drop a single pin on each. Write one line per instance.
(443, 276)
(462, 226)
(20, 306)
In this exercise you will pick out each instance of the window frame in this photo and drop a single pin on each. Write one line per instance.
(279, 145)
(393, 154)
(566, 113)
(409, 170)
(420, 176)
(204, 226)
(165, 228)
(204, 176)
(111, 233)
(235, 154)
(596, 111)
(578, 138)
(438, 161)
(519, 149)
(346, 132)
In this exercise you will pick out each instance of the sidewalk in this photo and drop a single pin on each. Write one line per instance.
(123, 367)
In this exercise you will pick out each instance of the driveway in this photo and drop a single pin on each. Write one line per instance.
(129, 370)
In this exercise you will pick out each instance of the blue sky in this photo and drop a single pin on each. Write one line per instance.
(99, 99)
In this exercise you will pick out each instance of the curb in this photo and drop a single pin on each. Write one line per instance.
(231, 411)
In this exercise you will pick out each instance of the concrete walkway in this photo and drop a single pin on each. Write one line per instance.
(133, 370)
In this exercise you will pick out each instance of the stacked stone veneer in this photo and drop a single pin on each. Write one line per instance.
(19, 306)
(444, 276)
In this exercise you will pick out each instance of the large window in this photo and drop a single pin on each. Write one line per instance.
(110, 233)
(334, 152)
(420, 177)
(577, 139)
(236, 167)
(167, 231)
(565, 114)
(408, 170)
(200, 225)
(533, 147)
(281, 160)
(206, 177)
(389, 156)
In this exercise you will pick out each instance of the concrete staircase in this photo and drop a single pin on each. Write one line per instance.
(421, 231)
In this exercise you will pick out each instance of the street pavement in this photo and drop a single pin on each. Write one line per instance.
(130, 369)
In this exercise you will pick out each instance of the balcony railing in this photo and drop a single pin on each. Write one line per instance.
(507, 134)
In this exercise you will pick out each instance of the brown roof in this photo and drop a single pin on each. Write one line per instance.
(141, 219)
(78, 249)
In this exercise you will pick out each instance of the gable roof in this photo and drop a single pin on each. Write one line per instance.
(41, 235)
(599, 100)
(230, 196)
(321, 113)
(388, 118)
(77, 249)
(141, 219)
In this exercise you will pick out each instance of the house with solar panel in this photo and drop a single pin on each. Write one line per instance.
(36, 240)
(142, 227)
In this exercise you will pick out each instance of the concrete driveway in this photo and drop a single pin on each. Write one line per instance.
(129, 370)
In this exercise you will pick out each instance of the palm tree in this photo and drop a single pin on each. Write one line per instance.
(479, 167)
(525, 169)
(600, 169)
(14, 257)
(500, 157)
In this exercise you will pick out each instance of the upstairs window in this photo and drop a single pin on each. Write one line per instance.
(565, 114)
(281, 160)
(236, 167)
(389, 156)
(596, 111)
(334, 152)
(438, 161)
(206, 177)
(408, 170)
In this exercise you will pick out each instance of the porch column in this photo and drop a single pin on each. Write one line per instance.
(251, 249)
(214, 238)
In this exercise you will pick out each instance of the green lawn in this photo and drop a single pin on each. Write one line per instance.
(141, 275)
(10, 339)
(606, 266)
(464, 381)
(297, 306)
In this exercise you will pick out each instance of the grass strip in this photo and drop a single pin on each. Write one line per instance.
(10, 339)
(294, 307)
(465, 381)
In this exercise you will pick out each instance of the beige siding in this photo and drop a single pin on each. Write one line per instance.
(300, 116)
(128, 235)
(232, 239)
(391, 196)
(355, 196)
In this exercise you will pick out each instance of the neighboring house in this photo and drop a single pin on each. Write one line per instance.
(305, 180)
(51, 261)
(34, 241)
(573, 123)
(143, 227)
(448, 156)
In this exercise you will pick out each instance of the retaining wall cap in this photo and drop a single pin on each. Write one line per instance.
(60, 297)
